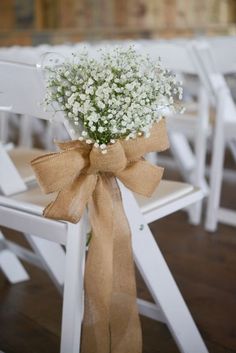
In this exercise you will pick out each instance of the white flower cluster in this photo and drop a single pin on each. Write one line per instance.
(119, 95)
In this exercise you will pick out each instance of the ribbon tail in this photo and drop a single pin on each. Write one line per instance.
(126, 335)
(111, 321)
(98, 273)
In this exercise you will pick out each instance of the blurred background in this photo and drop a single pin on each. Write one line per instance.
(33, 22)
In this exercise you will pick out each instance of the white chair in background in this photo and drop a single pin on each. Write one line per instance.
(23, 212)
(26, 55)
(193, 125)
(224, 51)
(16, 175)
(224, 129)
(226, 65)
(29, 128)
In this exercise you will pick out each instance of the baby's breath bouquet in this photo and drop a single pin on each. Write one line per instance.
(118, 95)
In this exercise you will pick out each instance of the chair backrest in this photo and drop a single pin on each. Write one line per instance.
(223, 50)
(17, 53)
(179, 57)
(214, 80)
(22, 91)
(176, 56)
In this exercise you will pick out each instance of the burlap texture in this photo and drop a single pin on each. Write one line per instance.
(82, 176)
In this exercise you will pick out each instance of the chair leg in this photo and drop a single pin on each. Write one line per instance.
(200, 148)
(10, 264)
(52, 256)
(26, 133)
(73, 288)
(216, 176)
(4, 117)
(160, 282)
(12, 267)
(182, 153)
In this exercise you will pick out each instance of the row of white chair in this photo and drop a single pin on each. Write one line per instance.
(171, 196)
(179, 57)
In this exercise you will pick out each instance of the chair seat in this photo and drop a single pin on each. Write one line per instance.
(33, 200)
(166, 192)
(21, 158)
(170, 196)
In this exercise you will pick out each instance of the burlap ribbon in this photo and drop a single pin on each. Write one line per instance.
(82, 176)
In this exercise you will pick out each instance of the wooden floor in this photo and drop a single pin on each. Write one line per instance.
(204, 267)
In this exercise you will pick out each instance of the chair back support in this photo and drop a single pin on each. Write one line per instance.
(22, 92)
(174, 56)
(10, 179)
(214, 80)
(223, 50)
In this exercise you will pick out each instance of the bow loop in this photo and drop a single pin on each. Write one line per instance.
(54, 171)
(70, 202)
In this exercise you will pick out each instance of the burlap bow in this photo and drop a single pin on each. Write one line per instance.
(82, 175)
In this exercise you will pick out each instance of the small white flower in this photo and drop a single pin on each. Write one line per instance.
(121, 93)
(89, 90)
(76, 108)
(82, 97)
(101, 129)
(90, 81)
(100, 104)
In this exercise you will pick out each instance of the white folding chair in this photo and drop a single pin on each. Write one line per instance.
(193, 124)
(15, 176)
(226, 65)
(23, 212)
(27, 127)
(224, 132)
